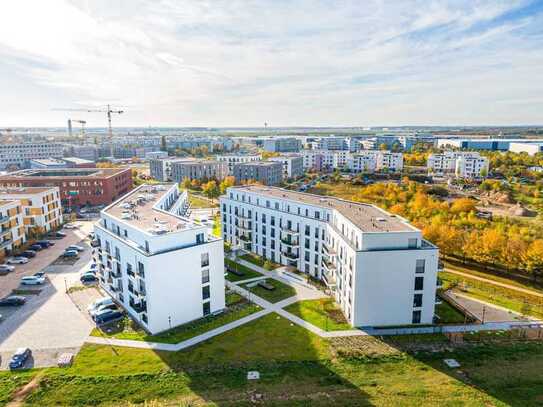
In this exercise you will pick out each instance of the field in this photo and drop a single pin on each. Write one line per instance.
(298, 368)
(281, 291)
(237, 308)
(324, 314)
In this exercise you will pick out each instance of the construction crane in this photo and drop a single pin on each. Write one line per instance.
(107, 111)
(81, 122)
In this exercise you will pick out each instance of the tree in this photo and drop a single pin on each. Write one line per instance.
(533, 258)
(226, 183)
(186, 184)
(211, 190)
(463, 205)
(195, 184)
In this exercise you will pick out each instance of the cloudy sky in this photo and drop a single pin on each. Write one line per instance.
(243, 63)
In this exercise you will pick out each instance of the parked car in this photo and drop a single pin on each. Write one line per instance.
(87, 278)
(6, 268)
(103, 308)
(70, 226)
(28, 254)
(45, 243)
(36, 247)
(56, 235)
(19, 358)
(99, 302)
(107, 317)
(32, 280)
(12, 300)
(75, 247)
(17, 260)
(70, 253)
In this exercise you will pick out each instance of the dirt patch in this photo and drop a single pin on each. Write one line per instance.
(22, 393)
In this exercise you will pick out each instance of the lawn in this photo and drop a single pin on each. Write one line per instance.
(280, 292)
(448, 314)
(217, 231)
(298, 368)
(259, 261)
(237, 308)
(517, 301)
(247, 272)
(9, 382)
(199, 202)
(323, 313)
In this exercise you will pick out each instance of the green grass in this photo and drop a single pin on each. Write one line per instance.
(247, 271)
(237, 308)
(281, 291)
(259, 261)
(504, 297)
(199, 202)
(9, 382)
(448, 314)
(323, 313)
(217, 230)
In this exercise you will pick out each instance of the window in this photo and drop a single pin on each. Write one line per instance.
(416, 317)
(419, 283)
(206, 308)
(417, 300)
(141, 269)
(205, 292)
(419, 268)
(307, 230)
(205, 276)
(204, 259)
(412, 243)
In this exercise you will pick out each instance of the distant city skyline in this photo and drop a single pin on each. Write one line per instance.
(240, 64)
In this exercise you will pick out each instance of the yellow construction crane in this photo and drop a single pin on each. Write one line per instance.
(107, 111)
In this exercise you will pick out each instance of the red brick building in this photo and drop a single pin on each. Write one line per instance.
(78, 186)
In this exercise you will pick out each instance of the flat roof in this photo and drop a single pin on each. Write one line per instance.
(367, 217)
(260, 163)
(137, 209)
(24, 190)
(77, 160)
(65, 172)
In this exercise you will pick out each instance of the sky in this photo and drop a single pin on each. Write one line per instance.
(287, 63)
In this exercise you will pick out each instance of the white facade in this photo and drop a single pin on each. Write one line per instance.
(161, 168)
(377, 266)
(20, 154)
(376, 160)
(529, 148)
(292, 165)
(462, 164)
(163, 269)
(233, 159)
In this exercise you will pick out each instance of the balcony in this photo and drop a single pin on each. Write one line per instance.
(291, 255)
(242, 216)
(329, 280)
(289, 231)
(245, 237)
(115, 274)
(114, 289)
(290, 242)
(4, 219)
(5, 243)
(439, 283)
(329, 266)
(329, 251)
(246, 225)
(5, 231)
(138, 307)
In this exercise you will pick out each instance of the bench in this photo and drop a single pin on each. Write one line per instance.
(266, 286)
(236, 272)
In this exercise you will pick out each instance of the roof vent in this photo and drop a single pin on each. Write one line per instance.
(380, 219)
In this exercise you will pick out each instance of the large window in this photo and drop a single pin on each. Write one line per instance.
(205, 276)
(205, 292)
(419, 283)
(420, 266)
(417, 300)
(204, 261)
(206, 308)
(416, 317)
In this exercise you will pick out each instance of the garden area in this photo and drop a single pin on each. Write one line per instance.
(237, 307)
(274, 291)
(323, 313)
(238, 272)
(259, 261)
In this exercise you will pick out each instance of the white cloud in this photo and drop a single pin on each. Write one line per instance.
(290, 63)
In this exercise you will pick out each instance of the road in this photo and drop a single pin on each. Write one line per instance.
(497, 283)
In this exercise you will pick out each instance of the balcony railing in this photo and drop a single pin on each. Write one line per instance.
(290, 242)
(4, 219)
(245, 238)
(242, 216)
(138, 307)
(328, 250)
(245, 225)
(291, 255)
(289, 230)
(328, 265)
(329, 280)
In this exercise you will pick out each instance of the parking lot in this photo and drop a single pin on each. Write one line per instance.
(51, 322)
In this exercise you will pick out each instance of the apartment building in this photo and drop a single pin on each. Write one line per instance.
(363, 161)
(377, 266)
(40, 206)
(332, 143)
(12, 230)
(233, 159)
(198, 169)
(282, 145)
(161, 168)
(18, 155)
(461, 164)
(162, 268)
(264, 172)
(293, 165)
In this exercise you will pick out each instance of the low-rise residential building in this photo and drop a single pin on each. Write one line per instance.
(233, 159)
(154, 155)
(40, 206)
(293, 165)
(12, 230)
(283, 145)
(161, 168)
(461, 164)
(377, 266)
(198, 169)
(162, 268)
(362, 161)
(332, 143)
(263, 172)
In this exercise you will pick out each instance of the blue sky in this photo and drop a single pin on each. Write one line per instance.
(243, 63)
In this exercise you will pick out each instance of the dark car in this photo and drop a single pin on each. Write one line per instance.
(108, 317)
(12, 300)
(70, 253)
(28, 254)
(56, 235)
(19, 358)
(36, 247)
(45, 243)
(88, 278)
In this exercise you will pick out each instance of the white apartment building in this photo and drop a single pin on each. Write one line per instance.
(12, 230)
(40, 206)
(233, 159)
(161, 168)
(376, 265)
(162, 268)
(292, 165)
(362, 161)
(18, 155)
(462, 164)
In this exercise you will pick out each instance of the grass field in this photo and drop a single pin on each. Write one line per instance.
(281, 291)
(298, 368)
(259, 261)
(247, 272)
(504, 297)
(448, 314)
(237, 307)
(199, 202)
(324, 314)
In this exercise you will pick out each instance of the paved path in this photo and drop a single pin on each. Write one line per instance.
(487, 280)
(492, 312)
